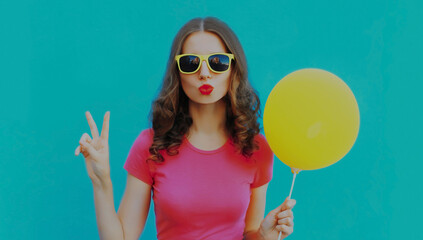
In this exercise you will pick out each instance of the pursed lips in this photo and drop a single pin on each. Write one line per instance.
(206, 89)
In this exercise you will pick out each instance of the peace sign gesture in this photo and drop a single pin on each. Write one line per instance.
(96, 150)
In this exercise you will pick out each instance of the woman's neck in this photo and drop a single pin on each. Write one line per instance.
(208, 119)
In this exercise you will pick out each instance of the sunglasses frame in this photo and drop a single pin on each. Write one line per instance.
(204, 58)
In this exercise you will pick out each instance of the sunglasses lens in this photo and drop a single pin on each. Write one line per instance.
(219, 62)
(189, 63)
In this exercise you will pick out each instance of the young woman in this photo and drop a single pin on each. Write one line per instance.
(204, 159)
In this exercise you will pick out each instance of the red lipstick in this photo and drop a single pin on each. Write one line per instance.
(205, 89)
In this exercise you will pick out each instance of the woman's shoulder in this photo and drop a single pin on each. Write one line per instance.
(145, 137)
(147, 132)
(263, 145)
(261, 139)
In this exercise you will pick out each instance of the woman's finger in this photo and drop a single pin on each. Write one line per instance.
(84, 137)
(291, 203)
(286, 221)
(285, 229)
(87, 148)
(105, 129)
(85, 145)
(93, 126)
(84, 152)
(286, 213)
(78, 150)
(288, 204)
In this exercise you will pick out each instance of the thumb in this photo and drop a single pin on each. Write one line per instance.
(88, 148)
(284, 205)
(281, 207)
(270, 221)
(271, 216)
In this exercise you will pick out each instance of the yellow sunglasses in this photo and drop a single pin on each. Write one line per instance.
(217, 62)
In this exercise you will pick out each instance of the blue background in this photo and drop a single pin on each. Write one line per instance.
(59, 59)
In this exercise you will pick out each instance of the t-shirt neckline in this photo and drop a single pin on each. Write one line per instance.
(206, 151)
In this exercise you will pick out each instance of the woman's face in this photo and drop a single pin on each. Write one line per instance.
(203, 43)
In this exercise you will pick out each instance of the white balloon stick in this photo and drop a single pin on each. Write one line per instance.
(295, 171)
(292, 185)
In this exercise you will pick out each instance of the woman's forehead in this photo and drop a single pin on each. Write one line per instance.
(203, 43)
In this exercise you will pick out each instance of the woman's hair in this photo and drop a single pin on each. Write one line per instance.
(170, 115)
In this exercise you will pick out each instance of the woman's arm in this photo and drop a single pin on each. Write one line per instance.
(255, 213)
(109, 225)
(134, 207)
(129, 222)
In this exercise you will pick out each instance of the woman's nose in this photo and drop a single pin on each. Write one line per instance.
(204, 71)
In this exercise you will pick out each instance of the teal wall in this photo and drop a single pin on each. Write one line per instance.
(61, 58)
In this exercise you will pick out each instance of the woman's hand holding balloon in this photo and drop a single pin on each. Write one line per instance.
(96, 151)
(280, 219)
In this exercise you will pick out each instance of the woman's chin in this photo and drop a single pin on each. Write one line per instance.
(206, 99)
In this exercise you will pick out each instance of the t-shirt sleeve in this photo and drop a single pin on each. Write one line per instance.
(136, 163)
(264, 163)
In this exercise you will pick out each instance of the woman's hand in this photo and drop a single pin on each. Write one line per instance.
(280, 219)
(96, 150)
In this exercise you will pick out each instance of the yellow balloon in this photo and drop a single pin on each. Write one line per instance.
(311, 119)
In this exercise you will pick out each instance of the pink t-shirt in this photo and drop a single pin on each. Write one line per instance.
(200, 194)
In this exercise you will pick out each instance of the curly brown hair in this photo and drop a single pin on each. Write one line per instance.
(169, 114)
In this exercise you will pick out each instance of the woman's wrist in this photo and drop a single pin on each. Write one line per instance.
(254, 235)
(262, 236)
(102, 184)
